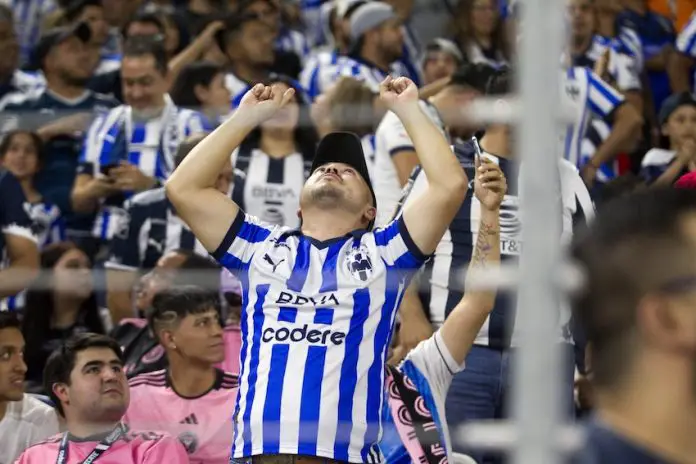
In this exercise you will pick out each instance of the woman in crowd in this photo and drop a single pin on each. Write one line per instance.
(272, 163)
(480, 33)
(677, 118)
(60, 303)
(349, 105)
(21, 153)
(201, 86)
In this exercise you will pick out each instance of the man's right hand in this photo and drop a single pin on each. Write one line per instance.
(101, 187)
(399, 95)
(261, 102)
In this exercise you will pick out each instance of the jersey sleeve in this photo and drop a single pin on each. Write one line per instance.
(393, 133)
(56, 232)
(245, 234)
(92, 148)
(602, 99)
(125, 253)
(14, 219)
(167, 449)
(626, 72)
(397, 248)
(432, 359)
(686, 41)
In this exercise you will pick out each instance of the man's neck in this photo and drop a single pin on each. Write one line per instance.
(80, 429)
(606, 24)
(495, 142)
(579, 45)
(325, 224)
(277, 143)
(3, 409)
(372, 56)
(657, 414)
(190, 380)
(249, 73)
(63, 89)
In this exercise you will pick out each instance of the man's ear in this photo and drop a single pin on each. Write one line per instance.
(370, 214)
(166, 339)
(61, 392)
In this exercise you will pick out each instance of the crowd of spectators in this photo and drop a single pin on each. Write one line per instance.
(101, 100)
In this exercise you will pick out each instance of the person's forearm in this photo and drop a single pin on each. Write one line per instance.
(668, 177)
(626, 127)
(186, 57)
(83, 200)
(17, 277)
(200, 169)
(486, 253)
(678, 72)
(434, 153)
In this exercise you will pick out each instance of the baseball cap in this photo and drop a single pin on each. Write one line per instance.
(368, 16)
(474, 75)
(346, 148)
(439, 44)
(55, 37)
(673, 102)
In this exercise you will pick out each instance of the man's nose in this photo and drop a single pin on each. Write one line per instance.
(20, 366)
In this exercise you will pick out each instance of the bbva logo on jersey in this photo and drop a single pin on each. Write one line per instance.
(359, 263)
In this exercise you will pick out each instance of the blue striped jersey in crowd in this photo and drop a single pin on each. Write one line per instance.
(149, 230)
(318, 72)
(589, 97)
(655, 162)
(28, 18)
(55, 180)
(622, 68)
(597, 132)
(269, 188)
(22, 82)
(686, 41)
(357, 68)
(237, 87)
(150, 145)
(317, 319)
(441, 285)
(315, 13)
(14, 218)
(391, 139)
(293, 41)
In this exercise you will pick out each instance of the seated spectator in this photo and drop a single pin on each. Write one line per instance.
(662, 166)
(85, 380)
(440, 60)
(91, 12)
(149, 230)
(24, 420)
(59, 304)
(132, 148)
(17, 239)
(11, 78)
(60, 114)
(201, 86)
(349, 105)
(480, 33)
(273, 162)
(191, 399)
(22, 153)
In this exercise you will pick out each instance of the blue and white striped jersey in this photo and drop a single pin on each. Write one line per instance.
(622, 68)
(317, 319)
(293, 41)
(318, 72)
(22, 83)
(28, 16)
(237, 88)
(151, 145)
(441, 284)
(48, 224)
(686, 40)
(589, 97)
(363, 71)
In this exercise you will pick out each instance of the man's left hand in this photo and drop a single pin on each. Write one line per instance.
(128, 178)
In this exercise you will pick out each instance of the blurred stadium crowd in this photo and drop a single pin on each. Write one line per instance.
(101, 100)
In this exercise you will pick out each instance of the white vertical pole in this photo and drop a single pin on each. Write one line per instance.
(537, 370)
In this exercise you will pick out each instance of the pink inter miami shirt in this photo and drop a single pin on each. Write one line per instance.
(203, 424)
(130, 447)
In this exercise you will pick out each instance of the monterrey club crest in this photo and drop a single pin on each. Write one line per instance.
(358, 263)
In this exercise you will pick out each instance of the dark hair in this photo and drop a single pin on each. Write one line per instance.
(500, 83)
(186, 146)
(306, 137)
(9, 320)
(475, 76)
(634, 246)
(36, 140)
(234, 25)
(244, 5)
(146, 18)
(61, 362)
(39, 307)
(183, 91)
(352, 107)
(143, 46)
(77, 7)
(176, 302)
(198, 270)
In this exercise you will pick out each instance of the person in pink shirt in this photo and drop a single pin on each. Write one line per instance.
(191, 399)
(86, 381)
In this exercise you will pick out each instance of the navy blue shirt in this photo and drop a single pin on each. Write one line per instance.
(56, 179)
(14, 219)
(605, 446)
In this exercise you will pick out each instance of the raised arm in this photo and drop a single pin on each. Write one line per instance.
(191, 188)
(464, 322)
(428, 217)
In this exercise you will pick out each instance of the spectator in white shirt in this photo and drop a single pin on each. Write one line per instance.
(24, 420)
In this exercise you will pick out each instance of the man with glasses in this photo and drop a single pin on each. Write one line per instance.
(637, 310)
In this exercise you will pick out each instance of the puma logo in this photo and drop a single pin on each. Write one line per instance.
(270, 261)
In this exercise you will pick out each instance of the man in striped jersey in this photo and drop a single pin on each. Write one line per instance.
(319, 303)
(131, 148)
(191, 399)
(149, 229)
(479, 391)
